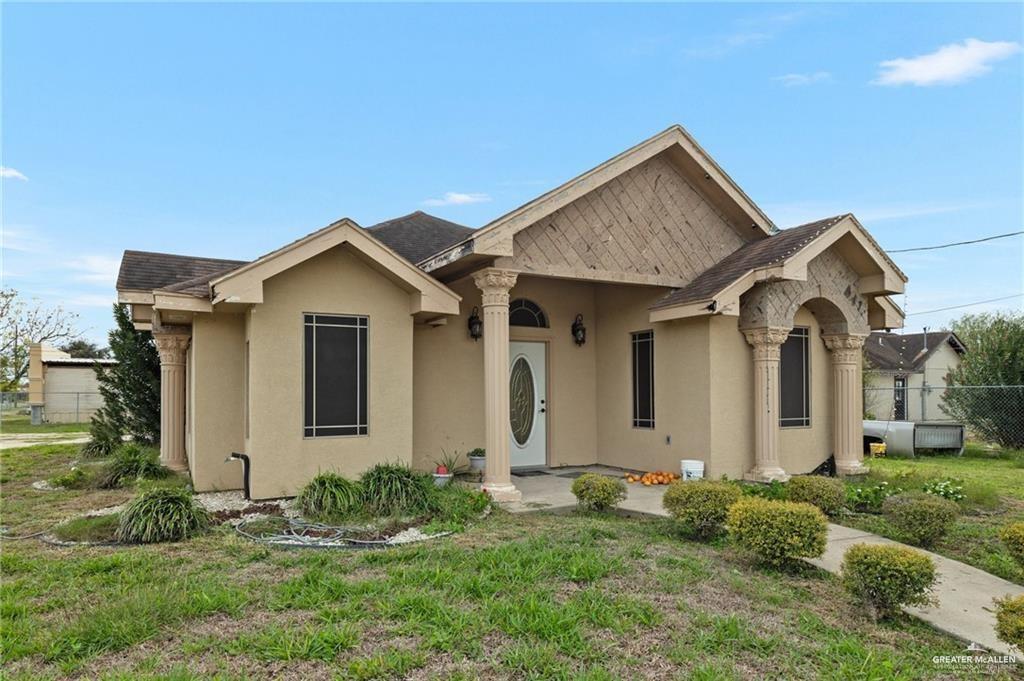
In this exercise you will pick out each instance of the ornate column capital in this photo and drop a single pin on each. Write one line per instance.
(495, 285)
(845, 347)
(171, 347)
(766, 341)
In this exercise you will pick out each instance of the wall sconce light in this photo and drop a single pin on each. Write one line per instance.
(476, 326)
(579, 332)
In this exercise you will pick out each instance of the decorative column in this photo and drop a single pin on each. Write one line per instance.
(495, 285)
(847, 403)
(767, 342)
(172, 349)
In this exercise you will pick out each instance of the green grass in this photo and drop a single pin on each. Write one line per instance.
(994, 484)
(22, 424)
(98, 528)
(539, 596)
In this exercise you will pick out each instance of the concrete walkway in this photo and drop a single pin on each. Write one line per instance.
(18, 440)
(963, 594)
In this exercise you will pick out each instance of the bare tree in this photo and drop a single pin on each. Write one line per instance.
(23, 322)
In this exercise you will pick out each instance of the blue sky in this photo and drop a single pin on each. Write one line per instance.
(229, 130)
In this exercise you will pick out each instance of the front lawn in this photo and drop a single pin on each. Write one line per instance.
(530, 596)
(22, 423)
(994, 484)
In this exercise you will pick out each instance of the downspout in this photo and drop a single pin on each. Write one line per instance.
(246, 464)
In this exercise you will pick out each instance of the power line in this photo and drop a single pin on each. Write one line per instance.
(957, 243)
(957, 307)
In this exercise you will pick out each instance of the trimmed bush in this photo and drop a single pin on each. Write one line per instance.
(330, 496)
(395, 489)
(886, 577)
(922, 518)
(161, 514)
(778, 532)
(828, 494)
(700, 505)
(1010, 620)
(596, 492)
(1012, 536)
(132, 462)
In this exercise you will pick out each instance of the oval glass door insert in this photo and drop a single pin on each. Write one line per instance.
(522, 400)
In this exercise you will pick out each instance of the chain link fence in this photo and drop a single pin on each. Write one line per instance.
(992, 413)
(58, 407)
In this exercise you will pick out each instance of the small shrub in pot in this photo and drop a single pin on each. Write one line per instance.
(885, 577)
(700, 505)
(1012, 536)
(477, 459)
(161, 514)
(922, 518)
(598, 492)
(778, 532)
(1010, 620)
(828, 494)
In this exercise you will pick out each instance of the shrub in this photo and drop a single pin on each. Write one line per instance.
(132, 462)
(455, 505)
(922, 518)
(93, 528)
(772, 490)
(329, 495)
(1010, 620)
(869, 499)
(395, 489)
(700, 505)
(778, 532)
(828, 494)
(161, 514)
(76, 478)
(885, 577)
(951, 489)
(1012, 536)
(104, 436)
(598, 492)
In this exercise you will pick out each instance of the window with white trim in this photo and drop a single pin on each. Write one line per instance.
(334, 375)
(795, 379)
(643, 379)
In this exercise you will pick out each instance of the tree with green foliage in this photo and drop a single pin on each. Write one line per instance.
(83, 349)
(994, 361)
(130, 389)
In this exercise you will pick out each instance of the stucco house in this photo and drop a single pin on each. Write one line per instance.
(643, 312)
(906, 376)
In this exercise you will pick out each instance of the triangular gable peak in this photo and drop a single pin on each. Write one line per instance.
(691, 164)
(245, 284)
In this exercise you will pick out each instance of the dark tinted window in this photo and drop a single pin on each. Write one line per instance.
(643, 379)
(794, 379)
(523, 312)
(334, 375)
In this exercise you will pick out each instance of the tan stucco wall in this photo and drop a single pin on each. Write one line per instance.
(335, 282)
(680, 384)
(802, 449)
(448, 374)
(216, 400)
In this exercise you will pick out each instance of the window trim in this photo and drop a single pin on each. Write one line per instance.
(517, 304)
(362, 322)
(803, 421)
(635, 338)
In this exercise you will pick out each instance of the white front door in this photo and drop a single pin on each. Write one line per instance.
(528, 410)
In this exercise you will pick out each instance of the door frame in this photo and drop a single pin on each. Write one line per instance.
(520, 337)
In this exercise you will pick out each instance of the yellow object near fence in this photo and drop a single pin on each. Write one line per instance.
(877, 448)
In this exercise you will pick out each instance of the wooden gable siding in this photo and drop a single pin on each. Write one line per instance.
(648, 225)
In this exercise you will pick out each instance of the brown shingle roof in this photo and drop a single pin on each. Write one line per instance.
(769, 251)
(141, 270)
(906, 352)
(418, 236)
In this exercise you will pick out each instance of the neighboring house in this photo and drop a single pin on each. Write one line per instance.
(907, 374)
(642, 313)
(62, 388)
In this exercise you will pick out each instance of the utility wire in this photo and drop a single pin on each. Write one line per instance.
(957, 307)
(957, 243)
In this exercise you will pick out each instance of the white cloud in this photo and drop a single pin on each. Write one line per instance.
(948, 65)
(457, 199)
(12, 174)
(23, 239)
(89, 300)
(95, 269)
(799, 79)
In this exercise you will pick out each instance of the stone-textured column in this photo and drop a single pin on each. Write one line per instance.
(847, 403)
(495, 285)
(766, 342)
(172, 349)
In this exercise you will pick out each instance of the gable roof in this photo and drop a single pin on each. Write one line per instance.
(419, 235)
(146, 271)
(495, 237)
(907, 352)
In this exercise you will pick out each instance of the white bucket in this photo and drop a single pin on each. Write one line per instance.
(691, 469)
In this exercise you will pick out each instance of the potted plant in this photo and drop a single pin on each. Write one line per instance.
(442, 476)
(446, 468)
(477, 459)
